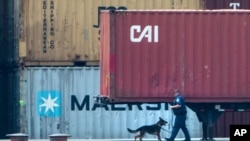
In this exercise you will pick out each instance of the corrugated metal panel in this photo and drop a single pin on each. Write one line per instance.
(227, 4)
(222, 126)
(149, 53)
(9, 78)
(75, 25)
(87, 120)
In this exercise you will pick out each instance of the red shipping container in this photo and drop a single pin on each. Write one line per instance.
(147, 54)
(222, 126)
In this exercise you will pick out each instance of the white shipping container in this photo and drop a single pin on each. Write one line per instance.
(61, 100)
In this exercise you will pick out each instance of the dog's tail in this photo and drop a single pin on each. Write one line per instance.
(132, 131)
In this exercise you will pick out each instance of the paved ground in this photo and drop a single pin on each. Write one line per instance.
(178, 139)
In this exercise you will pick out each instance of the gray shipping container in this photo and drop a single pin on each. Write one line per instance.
(61, 100)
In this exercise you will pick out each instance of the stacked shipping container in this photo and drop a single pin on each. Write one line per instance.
(72, 90)
(147, 54)
(63, 33)
(9, 80)
(66, 33)
(222, 126)
(204, 53)
(226, 4)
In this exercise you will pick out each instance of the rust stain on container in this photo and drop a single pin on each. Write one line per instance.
(56, 31)
(147, 54)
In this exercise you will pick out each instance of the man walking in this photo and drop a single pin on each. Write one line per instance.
(180, 111)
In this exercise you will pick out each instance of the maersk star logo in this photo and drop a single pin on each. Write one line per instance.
(49, 103)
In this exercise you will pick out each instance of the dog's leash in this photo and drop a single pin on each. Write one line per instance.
(165, 130)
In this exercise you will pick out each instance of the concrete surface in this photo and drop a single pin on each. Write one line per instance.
(177, 139)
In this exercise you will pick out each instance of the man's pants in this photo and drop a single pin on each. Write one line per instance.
(180, 124)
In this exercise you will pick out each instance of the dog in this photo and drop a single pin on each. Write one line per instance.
(154, 129)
